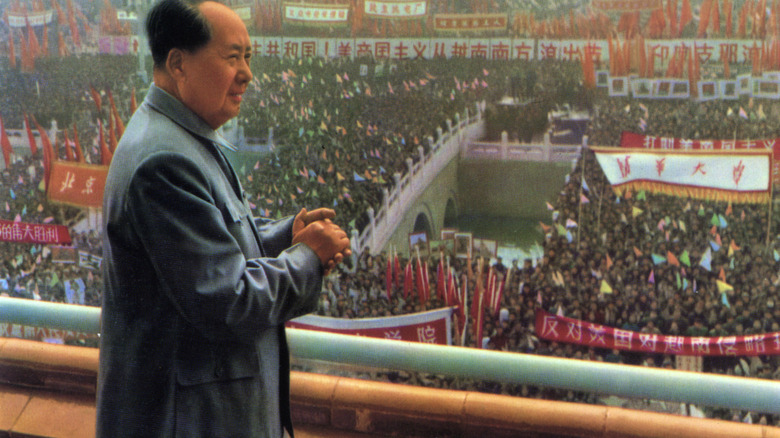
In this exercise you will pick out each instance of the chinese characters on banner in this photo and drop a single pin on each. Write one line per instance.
(627, 5)
(397, 48)
(77, 184)
(21, 232)
(469, 22)
(10, 330)
(573, 331)
(742, 176)
(499, 48)
(16, 19)
(432, 327)
(395, 9)
(637, 141)
(334, 14)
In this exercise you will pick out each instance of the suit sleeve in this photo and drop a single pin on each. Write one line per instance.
(275, 235)
(200, 265)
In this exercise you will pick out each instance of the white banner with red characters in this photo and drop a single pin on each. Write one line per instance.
(334, 14)
(432, 327)
(628, 5)
(396, 9)
(739, 176)
(56, 336)
(77, 184)
(573, 331)
(469, 22)
(21, 232)
(638, 141)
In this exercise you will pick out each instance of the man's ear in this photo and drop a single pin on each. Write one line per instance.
(175, 63)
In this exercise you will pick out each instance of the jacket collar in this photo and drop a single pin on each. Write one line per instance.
(174, 109)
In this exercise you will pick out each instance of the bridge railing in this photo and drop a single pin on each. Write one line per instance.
(419, 174)
(506, 150)
(756, 395)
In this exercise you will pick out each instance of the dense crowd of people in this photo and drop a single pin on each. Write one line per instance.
(342, 128)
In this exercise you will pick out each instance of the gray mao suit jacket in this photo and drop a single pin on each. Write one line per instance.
(196, 291)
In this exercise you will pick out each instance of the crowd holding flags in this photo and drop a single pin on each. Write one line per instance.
(486, 300)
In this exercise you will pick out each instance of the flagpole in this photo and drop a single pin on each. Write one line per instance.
(579, 213)
(771, 201)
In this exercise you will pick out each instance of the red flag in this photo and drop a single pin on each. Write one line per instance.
(62, 49)
(96, 98)
(74, 30)
(396, 267)
(408, 278)
(499, 294)
(420, 279)
(68, 150)
(45, 48)
(441, 281)
(32, 40)
(119, 126)
(11, 51)
(686, 15)
(389, 277)
(6, 145)
(133, 102)
(30, 137)
(715, 18)
(105, 154)
(48, 154)
(76, 144)
(112, 142)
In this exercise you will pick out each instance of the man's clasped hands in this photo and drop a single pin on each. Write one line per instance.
(316, 230)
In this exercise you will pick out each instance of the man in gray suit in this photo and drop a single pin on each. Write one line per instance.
(196, 290)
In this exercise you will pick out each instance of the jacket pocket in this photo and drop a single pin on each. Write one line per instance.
(198, 363)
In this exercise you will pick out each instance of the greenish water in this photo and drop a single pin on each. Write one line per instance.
(517, 237)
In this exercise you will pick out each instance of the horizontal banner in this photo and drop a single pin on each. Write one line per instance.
(433, 327)
(701, 174)
(504, 48)
(627, 5)
(396, 9)
(77, 184)
(316, 14)
(573, 331)
(21, 232)
(638, 141)
(469, 22)
(55, 336)
(34, 18)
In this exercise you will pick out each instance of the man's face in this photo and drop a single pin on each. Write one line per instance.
(217, 75)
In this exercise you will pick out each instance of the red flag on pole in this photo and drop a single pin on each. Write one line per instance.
(30, 137)
(686, 15)
(441, 281)
(389, 277)
(76, 144)
(48, 154)
(11, 51)
(6, 145)
(105, 154)
(408, 278)
(96, 98)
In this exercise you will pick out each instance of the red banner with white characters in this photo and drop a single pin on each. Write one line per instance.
(77, 184)
(633, 140)
(21, 232)
(561, 329)
(432, 327)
